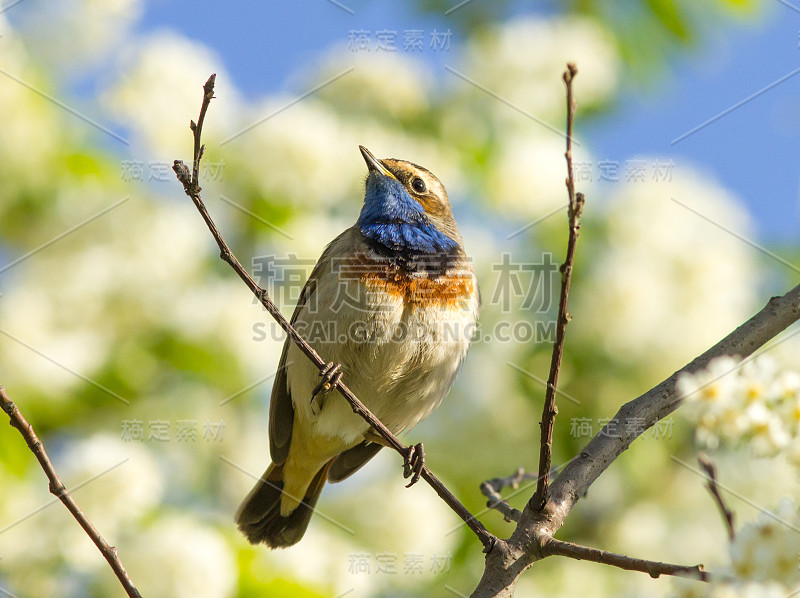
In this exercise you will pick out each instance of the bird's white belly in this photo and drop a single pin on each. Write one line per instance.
(399, 358)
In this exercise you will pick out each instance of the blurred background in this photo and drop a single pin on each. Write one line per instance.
(145, 365)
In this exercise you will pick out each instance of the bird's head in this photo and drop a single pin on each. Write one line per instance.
(406, 208)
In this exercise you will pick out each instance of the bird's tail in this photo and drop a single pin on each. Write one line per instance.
(259, 516)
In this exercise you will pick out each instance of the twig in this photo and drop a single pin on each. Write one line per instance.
(711, 483)
(57, 489)
(192, 189)
(652, 568)
(491, 489)
(576, 201)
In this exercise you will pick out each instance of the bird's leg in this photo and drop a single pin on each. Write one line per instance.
(414, 456)
(331, 374)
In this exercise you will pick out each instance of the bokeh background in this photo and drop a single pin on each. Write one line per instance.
(146, 366)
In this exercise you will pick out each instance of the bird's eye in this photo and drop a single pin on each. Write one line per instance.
(418, 185)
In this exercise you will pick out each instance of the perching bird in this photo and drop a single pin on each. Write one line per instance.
(392, 303)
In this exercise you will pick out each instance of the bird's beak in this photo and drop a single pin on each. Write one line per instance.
(374, 164)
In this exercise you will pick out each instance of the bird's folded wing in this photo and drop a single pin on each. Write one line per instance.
(351, 460)
(281, 411)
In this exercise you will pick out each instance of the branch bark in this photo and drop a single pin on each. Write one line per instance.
(535, 530)
(58, 489)
(575, 209)
(652, 568)
(491, 489)
(192, 188)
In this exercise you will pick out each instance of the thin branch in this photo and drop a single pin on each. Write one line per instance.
(550, 410)
(197, 128)
(192, 189)
(711, 483)
(652, 568)
(59, 490)
(491, 489)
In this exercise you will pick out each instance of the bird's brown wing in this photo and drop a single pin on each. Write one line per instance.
(351, 460)
(281, 411)
(281, 414)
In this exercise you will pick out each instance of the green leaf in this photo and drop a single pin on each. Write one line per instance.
(670, 16)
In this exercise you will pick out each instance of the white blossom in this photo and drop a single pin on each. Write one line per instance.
(178, 556)
(755, 403)
(666, 283)
(686, 588)
(768, 548)
(76, 32)
(29, 120)
(301, 154)
(526, 175)
(385, 84)
(522, 62)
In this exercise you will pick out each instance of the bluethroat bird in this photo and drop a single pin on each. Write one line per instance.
(393, 302)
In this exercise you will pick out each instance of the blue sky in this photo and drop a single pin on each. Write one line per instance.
(752, 149)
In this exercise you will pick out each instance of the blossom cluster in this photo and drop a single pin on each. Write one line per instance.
(763, 555)
(755, 403)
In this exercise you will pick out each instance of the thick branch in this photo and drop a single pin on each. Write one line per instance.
(192, 189)
(660, 401)
(550, 410)
(58, 490)
(525, 546)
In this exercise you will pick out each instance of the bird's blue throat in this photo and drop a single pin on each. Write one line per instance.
(398, 222)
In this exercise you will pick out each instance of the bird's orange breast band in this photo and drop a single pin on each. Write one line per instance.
(452, 290)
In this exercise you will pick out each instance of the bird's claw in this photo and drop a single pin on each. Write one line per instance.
(331, 375)
(414, 463)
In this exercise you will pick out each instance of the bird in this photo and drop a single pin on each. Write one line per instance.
(393, 302)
